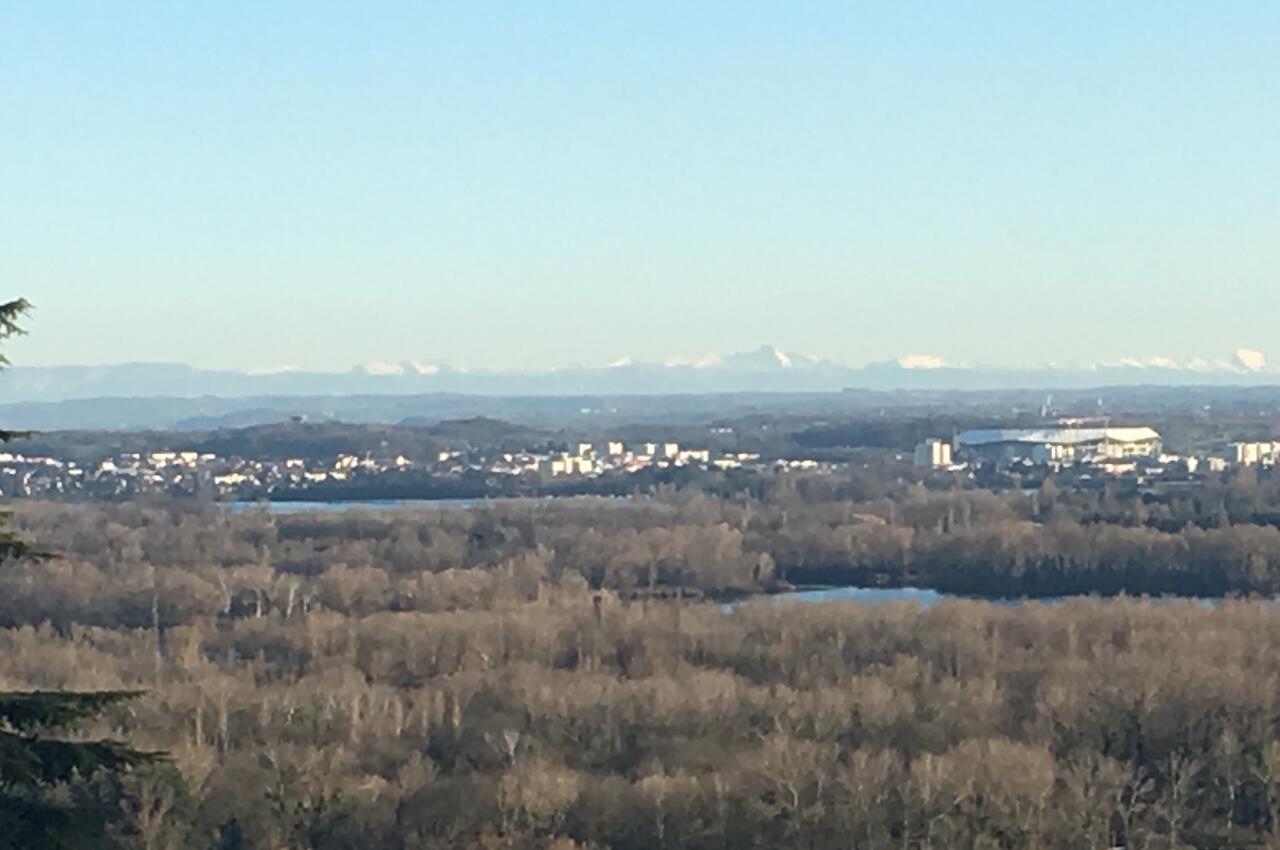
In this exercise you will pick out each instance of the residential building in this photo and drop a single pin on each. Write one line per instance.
(933, 453)
(1254, 454)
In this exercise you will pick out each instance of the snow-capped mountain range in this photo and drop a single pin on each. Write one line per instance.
(764, 369)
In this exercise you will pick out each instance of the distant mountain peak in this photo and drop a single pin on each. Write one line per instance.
(271, 370)
(921, 361)
(784, 359)
(762, 369)
(706, 361)
(1250, 359)
(380, 367)
(768, 358)
(404, 367)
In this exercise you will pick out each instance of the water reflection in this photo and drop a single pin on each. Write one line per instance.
(927, 597)
(868, 595)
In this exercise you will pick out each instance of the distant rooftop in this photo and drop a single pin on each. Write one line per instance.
(1056, 436)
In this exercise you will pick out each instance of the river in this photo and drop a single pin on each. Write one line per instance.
(868, 595)
(927, 597)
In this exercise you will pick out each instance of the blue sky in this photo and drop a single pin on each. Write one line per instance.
(321, 184)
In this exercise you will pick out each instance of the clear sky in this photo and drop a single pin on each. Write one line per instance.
(259, 184)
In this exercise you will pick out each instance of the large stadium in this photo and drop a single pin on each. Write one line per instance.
(1042, 445)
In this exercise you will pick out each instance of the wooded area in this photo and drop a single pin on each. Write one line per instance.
(496, 677)
(559, 721)
(196, 561)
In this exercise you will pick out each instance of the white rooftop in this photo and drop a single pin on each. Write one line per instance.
(1056, 436)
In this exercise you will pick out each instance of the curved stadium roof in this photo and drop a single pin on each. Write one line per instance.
(1056, 436)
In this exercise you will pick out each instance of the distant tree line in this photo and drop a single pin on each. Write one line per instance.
(1215, 541)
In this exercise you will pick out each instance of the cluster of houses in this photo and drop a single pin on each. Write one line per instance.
(613, 456)
(194, 473)
(172, 472)
(591, 459)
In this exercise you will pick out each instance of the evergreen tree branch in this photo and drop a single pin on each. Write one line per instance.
(27, 711)
(27, 762)
(10, 313)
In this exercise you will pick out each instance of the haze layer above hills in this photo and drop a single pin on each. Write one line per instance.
(765, 369)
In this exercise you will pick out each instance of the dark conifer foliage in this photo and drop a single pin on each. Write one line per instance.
(38, 808)
(11, 313)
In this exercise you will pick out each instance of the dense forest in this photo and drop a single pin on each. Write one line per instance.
(518, 674)
(551, 716)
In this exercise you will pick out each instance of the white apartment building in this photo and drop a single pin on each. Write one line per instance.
(933, 453)
(1254, 454)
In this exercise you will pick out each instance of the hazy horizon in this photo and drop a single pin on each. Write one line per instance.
(261, 186)
(1244, 361)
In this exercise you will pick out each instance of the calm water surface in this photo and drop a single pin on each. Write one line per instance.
(869, 595)
(927, 597)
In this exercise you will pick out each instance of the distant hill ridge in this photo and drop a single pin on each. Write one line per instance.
(765, 369)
